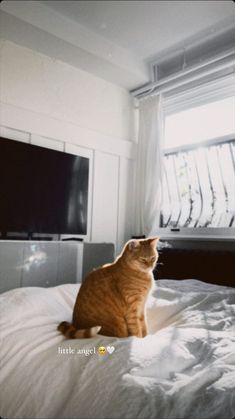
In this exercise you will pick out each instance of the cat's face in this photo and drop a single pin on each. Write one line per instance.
(142, 254)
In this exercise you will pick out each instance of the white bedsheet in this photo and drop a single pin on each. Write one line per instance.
(185, 367)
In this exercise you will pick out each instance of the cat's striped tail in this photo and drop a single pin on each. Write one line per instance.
(70, 331)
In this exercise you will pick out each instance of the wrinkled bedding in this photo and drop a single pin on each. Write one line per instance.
(185, 367)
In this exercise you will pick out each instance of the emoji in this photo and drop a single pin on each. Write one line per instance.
(110, 349)
(102, 350)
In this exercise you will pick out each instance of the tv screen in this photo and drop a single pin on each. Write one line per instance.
(42, 190)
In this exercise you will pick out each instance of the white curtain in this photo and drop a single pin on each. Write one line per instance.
(148, 193)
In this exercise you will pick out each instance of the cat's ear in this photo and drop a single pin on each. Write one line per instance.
(133, 245)
(153, 240)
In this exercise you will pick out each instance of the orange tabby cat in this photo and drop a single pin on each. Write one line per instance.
(112, 298)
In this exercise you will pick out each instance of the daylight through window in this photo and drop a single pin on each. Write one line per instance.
(199, 167)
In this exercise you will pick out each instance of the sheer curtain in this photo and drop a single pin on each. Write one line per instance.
(149, 164)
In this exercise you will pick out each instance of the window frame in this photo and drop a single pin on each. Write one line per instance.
(174, 105)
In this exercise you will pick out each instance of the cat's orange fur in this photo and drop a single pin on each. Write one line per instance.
(112, 298)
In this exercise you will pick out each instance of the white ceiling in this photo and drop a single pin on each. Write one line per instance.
(146, 28)
(115, 40)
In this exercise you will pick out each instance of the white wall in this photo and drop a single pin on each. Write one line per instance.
(50, 103)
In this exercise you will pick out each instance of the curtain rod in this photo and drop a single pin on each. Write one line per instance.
(179, 79)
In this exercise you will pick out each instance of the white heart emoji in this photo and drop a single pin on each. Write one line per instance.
(110, 349)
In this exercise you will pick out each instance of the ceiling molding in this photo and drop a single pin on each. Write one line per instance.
(34, 25)
(113, 40)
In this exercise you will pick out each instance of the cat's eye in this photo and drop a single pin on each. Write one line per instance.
(147, 261)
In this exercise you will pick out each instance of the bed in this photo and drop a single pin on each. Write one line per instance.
(184, 368)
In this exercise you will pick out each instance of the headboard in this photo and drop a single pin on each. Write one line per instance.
(206, 262)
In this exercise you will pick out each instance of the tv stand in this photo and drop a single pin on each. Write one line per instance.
(25, 263)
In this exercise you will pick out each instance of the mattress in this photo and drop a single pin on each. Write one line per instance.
(184, 367)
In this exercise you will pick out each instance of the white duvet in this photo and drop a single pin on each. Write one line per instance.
(185, 367)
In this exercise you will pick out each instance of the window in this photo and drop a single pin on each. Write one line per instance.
(199, 168)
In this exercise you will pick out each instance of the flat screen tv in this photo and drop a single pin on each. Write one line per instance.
(42, 190)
